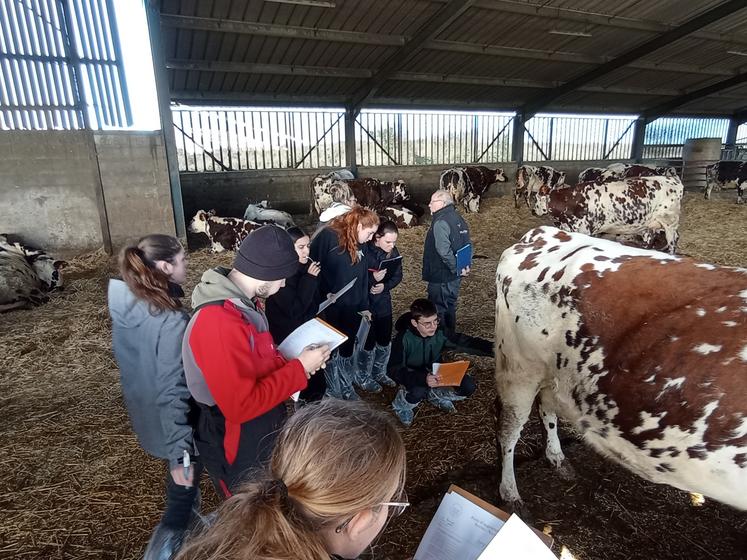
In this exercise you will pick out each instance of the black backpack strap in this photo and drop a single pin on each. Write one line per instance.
(209, 303)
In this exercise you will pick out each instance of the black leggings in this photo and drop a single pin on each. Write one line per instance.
(181, 499)
(346, 320)
(380, 333)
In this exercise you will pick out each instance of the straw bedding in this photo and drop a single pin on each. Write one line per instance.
(75, 484)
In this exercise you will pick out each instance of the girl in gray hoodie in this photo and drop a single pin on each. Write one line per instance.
(148, 323)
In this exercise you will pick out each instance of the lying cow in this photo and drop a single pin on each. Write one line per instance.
(726, 175)
(27, 275)
(263, 214)
(402, 217)
(225, 234)
(634, 208)
(645, 354)
(467, 184)
(530, 178)
(377, 195)
(329, 188)
(619, 171)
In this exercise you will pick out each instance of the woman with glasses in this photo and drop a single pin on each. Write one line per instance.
(418, 344)
(336, 476)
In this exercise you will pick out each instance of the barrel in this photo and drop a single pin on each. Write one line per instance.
(697, 154)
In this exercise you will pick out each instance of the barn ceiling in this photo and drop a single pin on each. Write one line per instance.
(632, 56)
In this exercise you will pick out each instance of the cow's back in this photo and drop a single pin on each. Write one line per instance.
(647, 354)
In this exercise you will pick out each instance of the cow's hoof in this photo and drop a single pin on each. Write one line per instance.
(519, 508)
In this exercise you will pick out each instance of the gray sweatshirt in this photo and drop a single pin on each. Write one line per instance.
(148, 350)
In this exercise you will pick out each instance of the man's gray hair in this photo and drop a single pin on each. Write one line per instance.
(444, 196)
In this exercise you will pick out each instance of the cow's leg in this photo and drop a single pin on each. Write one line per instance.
(516, 404)
(740, 193)
(553, 450)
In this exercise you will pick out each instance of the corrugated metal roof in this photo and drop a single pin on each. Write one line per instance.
(234, 50)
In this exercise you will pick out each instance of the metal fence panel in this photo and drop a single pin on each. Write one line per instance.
(219, 139)
(58, 59)
(573, 138)
(431, 137)
(665, 137)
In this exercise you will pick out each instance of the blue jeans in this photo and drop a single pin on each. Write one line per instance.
(444, 296)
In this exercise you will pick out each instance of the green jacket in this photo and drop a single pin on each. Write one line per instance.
(413, 355)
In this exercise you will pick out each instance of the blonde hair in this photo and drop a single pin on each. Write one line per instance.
(332, 460)
(346, 228)
(137, 264)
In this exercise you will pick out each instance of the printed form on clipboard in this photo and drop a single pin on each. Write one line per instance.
(315, 331)
(466, 528)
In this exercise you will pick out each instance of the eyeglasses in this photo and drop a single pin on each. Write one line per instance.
(433, 323)
(395, 509)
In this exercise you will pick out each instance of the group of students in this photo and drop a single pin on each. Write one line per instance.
(209, 389)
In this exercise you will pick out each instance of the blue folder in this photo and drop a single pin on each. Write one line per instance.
(464, 257)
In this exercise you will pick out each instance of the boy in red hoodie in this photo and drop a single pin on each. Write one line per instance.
(231, 363)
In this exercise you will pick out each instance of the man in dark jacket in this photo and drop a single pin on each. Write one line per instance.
(419, 344)
(448, 233)
(231, 364)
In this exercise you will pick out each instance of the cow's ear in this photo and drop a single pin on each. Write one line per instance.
(211, 212)
(58, 265)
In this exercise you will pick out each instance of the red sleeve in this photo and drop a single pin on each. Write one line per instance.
(243, 383)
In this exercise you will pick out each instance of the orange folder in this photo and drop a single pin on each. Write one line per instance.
(451, 373)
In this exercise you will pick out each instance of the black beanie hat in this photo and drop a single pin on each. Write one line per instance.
(267, 254)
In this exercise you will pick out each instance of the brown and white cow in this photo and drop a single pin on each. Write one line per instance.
(467, 184)
(638, 208)
(619, 171)
(402, 217)
(26, 274)
(643, 353)
(726, 175)
(225, 234)
(530, 178)
(329, 188)
(377, 195)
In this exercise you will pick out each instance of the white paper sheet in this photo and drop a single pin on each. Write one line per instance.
(460, 530)
(516, 540)
(314, 331)
(329, 301)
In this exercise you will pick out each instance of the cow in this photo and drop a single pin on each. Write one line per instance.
(323, 193)
(467, 184)
(644, 353)
(530, 178)
(377, 195)
(402, 217)
(619, 171)
(633, 208)
(263, 214)
(726, 174)
(225, 234)
(27, 275)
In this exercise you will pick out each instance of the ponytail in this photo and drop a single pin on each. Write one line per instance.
(138, 268)
(332, 460)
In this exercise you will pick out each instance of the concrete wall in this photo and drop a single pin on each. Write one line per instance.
(49, 189)
(71, 191)
(135, 183)
(229, 192)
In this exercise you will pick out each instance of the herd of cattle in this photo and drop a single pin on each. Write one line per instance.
(644, 352)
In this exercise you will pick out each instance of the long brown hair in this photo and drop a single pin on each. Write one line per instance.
(137, 264)
(346, 228)
(332, 460)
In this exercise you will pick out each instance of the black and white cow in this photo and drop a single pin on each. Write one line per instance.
(644, 353)
(329, 188)
(467, 184)
(530, 178)
(26, 274)
(637, 209)
(727, 175)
